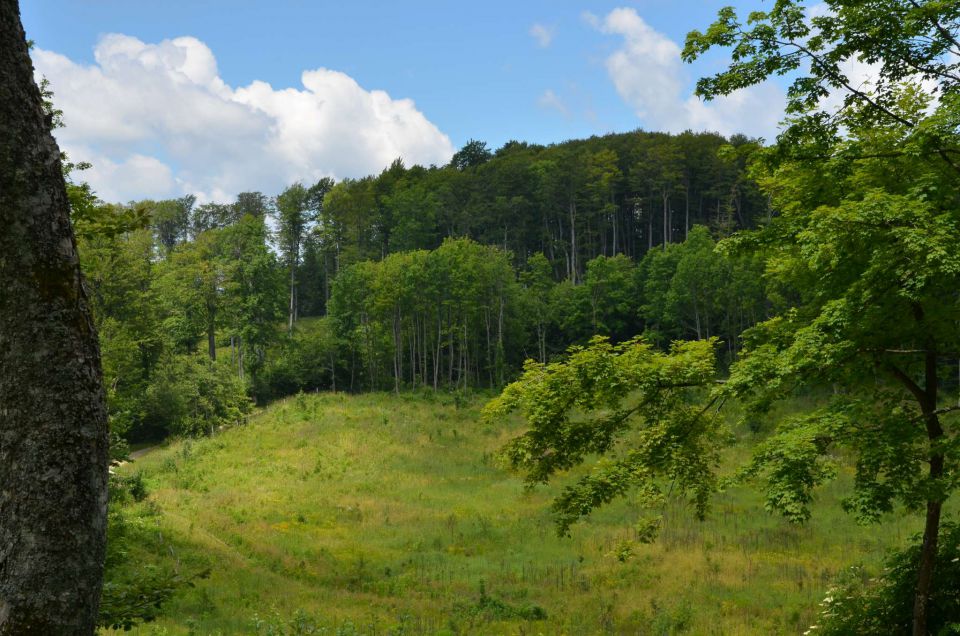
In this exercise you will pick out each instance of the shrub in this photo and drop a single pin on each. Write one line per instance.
(306, 361)
(858, 604)
(135, 592)
(192, 395)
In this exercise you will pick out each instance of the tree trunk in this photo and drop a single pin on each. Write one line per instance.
(436, 355)
(928, 556)
(650, 230)
(926, 397)
(240, 358)
(490, 365)
(212, 333)
(333, 373)
(615, 245)
(292, 297)
(450, 358)
(326, 283)
(666, 222)
(931, 528)
(500, 351)
(53, 423)
(573, 242)
(397, 352)
(414, 332)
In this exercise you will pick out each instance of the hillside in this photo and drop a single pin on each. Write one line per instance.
(384, 514)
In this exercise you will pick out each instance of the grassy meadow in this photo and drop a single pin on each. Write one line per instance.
(384, 514)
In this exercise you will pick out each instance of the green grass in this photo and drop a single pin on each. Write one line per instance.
(383, 514)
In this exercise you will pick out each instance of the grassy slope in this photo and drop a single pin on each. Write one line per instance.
(383, 514)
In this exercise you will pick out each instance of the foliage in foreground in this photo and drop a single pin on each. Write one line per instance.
(629, 404)
(883, 606)
(864, 250)
(134, 592)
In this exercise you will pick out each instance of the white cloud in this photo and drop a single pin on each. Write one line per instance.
(157, 120)
(650, 77)
(549, 100)
(818, 10)
(543, 34)
(147, 177)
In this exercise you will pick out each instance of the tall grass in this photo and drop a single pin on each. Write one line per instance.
(385, 514)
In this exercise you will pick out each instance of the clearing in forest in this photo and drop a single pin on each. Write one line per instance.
(386, 514)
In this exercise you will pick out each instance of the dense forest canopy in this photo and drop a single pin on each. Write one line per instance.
(441, 277)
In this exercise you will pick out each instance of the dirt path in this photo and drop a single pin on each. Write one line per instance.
(143, 451)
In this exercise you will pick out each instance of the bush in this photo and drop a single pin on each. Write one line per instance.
(192, 395)
(858, 604)
(305, 362)
(135, 592)
(489, 608)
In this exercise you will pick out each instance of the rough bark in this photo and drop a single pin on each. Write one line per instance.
(53, 431)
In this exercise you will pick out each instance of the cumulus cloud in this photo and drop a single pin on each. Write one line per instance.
(157, 120)
(651, 78)
(147, 177)
(543, 34)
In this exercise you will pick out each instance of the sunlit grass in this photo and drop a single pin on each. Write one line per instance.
(384, 514)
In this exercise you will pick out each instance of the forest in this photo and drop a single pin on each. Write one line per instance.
(643, 382)
(365, 285)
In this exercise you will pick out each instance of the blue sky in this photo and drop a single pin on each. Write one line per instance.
(540, 71)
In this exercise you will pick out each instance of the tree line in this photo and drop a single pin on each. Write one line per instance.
(442, 277)
(603, 196)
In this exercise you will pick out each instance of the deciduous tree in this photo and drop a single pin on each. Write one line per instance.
(867, 246)
(53, 425)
